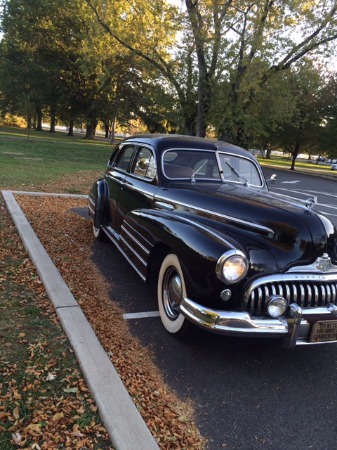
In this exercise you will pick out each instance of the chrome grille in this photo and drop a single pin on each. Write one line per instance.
(305, 293)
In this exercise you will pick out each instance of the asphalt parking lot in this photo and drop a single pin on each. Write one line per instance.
(247, 394)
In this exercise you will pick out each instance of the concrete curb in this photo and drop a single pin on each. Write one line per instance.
(125, 425)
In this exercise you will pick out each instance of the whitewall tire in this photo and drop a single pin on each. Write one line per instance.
(170, 291)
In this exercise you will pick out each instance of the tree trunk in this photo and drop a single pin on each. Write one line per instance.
(204, 87)
(71, 129)
(295, 154)
(39, 119)
(113, 124)
(52, 121)
(107, 129)
(91, 128)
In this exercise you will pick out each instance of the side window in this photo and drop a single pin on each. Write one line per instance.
(124, 157)
(145, 164)
(113, 155)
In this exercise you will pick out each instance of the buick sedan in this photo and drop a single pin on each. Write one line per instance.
(196, 217)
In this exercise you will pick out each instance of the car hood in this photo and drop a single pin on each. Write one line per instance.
(257, 219)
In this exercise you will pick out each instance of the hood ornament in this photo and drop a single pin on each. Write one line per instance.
(309, 203)
(323, 263)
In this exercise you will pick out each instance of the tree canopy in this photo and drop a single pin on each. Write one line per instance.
(232, 69)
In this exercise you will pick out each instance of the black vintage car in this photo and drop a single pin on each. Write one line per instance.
(195, 216)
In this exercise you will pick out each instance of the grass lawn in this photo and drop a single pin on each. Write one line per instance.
(43, 156)
(285, 163)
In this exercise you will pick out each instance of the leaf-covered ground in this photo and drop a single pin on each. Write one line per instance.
(69, 244)
(44, 401)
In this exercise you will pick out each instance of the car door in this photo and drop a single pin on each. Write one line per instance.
(115, 177)
(139, 184)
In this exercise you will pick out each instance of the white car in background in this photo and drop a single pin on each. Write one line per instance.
(334, 166)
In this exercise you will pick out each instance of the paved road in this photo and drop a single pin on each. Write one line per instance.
(247, 394)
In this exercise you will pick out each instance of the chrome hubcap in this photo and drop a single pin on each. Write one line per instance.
(172, 293)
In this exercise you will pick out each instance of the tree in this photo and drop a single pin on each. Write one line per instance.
(303, 131)
(329, 116)
(242, 43)
(256, 39)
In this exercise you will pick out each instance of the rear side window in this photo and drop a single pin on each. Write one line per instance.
(124, 157)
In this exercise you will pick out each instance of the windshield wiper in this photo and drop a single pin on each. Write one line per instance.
(237, 173)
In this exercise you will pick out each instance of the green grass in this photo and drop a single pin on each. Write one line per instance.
(35, 158)
(43, 156)
(285, 162)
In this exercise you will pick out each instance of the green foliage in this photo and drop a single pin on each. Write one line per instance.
(221, 66)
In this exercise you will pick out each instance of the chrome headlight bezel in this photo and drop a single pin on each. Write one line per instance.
(232, 266)
(276, 306)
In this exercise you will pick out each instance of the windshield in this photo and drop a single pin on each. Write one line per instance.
(238, 169)
(209, 165)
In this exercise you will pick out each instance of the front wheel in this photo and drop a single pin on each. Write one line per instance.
(170, 291)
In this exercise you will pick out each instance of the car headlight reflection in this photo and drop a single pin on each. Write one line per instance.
(232, 266)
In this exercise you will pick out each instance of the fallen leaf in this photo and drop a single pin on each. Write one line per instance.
(57, 417)
(35, 427)
(50, 377)
(17, 438)
(16, 413)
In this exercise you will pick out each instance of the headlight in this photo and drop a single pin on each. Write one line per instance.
(232, 266)
(276, 306)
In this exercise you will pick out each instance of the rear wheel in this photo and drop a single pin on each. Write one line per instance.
(98, 220)
(170, 292)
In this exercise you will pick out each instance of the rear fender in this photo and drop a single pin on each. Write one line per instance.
(101, 192)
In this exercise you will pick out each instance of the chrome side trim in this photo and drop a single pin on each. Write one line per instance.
(231, 219)
(208, 230)
(140, 259)
(133, 230)
(91, 200)
(164, 206)
(201, 227)
(113, 236)
(133, 239)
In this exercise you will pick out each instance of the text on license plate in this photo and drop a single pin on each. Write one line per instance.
(324, 331)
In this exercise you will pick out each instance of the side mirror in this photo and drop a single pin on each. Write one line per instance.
(272, 179)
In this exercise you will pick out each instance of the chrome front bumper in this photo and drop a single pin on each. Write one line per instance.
(294, 329)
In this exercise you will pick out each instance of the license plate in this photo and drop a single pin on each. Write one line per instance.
(324, 331)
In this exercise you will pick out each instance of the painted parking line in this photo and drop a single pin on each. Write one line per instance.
(140, 315)
(290, 182)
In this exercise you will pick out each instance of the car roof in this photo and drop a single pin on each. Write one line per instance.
(165, 141)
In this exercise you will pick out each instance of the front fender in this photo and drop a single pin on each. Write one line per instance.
(197, 246)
